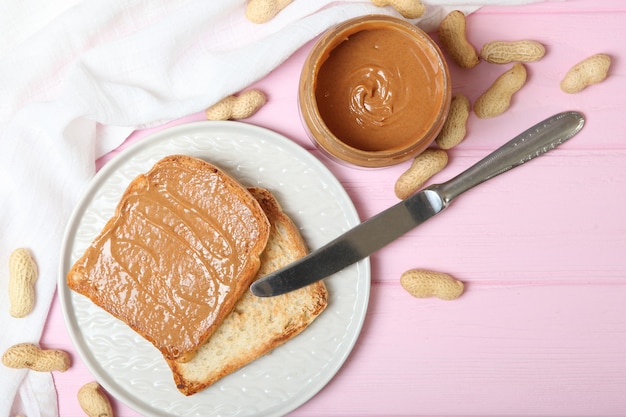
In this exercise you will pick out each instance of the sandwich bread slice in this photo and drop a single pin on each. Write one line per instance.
(256, 325)
(182, 247)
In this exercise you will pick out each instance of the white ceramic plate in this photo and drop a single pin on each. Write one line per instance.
(131, 369)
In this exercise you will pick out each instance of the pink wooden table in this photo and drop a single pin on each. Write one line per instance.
(541, 329)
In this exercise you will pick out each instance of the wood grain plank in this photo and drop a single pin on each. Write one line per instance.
(559, 218)
(503, 350)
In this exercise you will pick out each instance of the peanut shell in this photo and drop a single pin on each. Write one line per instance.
(421, 283)
(501, 52)
(452, 35)
(497, 98)
(591, 70)
(455, 127)
(424, 166)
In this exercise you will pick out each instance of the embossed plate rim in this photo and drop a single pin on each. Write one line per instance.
(357, 276)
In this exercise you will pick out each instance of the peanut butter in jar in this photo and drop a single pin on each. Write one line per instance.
(374, 91)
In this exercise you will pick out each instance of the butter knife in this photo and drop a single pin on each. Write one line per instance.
(381, 229)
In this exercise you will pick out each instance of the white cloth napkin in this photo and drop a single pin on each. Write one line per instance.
(77, 76)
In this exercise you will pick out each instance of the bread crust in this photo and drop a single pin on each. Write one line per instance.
(183, 245)
(256, 325)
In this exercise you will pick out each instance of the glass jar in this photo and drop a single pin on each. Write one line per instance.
(374, 91)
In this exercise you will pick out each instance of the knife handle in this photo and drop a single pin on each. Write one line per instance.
(533, 142)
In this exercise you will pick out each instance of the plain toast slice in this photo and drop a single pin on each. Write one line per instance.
(256, 325)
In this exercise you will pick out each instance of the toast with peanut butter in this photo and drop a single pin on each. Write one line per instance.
(182, 247)
(256, 325)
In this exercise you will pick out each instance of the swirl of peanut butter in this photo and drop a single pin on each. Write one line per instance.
(374, 96)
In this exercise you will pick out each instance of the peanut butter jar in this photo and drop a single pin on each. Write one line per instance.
(374, 91)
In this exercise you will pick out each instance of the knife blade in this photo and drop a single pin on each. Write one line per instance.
(388, 225)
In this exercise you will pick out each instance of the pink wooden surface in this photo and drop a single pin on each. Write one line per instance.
(541, 329)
